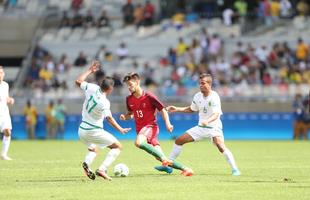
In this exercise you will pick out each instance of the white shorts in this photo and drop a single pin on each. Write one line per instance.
(199, 133)
(98, 137)
(5, 122)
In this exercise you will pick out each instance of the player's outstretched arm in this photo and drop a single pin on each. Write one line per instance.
(126, 116)
(92, 69)
(166, 119)
(113, 123)
(179, 109)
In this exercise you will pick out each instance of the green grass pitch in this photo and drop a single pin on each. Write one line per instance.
(52, 170)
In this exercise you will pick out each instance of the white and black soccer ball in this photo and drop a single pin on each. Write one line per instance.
(121, 170)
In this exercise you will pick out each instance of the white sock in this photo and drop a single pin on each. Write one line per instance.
(158, 148)
(230, 159)
(5, 145)
(89, 158)
(175, 151)
(109, 159)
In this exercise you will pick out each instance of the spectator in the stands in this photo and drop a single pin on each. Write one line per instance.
(273, 57)
(100, 54)
(108, 56)
(181, 47)
(136, 67)
(55, 84)
(172, 56)
(63, 64)
(117, 80)
(8, 4)
(288, 55)
(117, 83)
(149, 12)
(103, 20)
(178, 19)
(59, 86)
(191, 16)
(50, 63)
(148, 75)
(89, 19)
(275, 10)
(262, 53)
(76, 4)
(39, 52)
(240, 47)
(147, 70)
(138, 15)
(266, 12)
(33, 74)
(81, 60)
(65, 20)
(302, 50)
(196, 51)
(224, 69)
(285, 8)
(45, 73)
(77, 20)
(46, 77)
(215, 47)
(227, 15)
(204, 42)
(122, 51)
(303, 8)
(64, 85)
(241, 7)
(104, 55)
(181, 91)
(128, 10)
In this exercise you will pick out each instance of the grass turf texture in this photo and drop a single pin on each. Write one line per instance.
(52, 170)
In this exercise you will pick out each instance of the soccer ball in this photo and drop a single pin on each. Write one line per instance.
(121, 170)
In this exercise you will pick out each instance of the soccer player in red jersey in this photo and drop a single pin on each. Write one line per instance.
(142, 106)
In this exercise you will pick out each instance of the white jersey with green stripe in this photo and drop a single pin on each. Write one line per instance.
(96, 107)
(206, 106)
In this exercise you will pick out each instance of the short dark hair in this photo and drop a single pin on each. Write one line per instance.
(205, 75)
(131, 75)
(107, 83)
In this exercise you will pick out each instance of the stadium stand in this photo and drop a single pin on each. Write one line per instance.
(260, 59)
(257, 64)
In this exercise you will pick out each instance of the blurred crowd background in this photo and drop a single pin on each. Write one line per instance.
(256, 50)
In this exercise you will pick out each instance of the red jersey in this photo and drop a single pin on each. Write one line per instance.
(144, 109)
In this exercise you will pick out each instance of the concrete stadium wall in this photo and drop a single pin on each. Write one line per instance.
(15, 35)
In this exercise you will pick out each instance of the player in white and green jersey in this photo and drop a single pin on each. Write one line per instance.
(208, 104)
(5, 118)
(96, 108)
